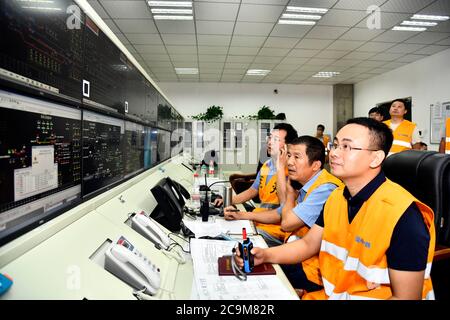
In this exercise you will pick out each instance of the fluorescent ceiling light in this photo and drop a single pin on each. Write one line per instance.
(169, 3)
(306, 10)
(301, 22)
(257, 72)
(326, 74)
(429, 17)
(417, 29)
(419, 23)
(38, 1)
(175, 11)
(300, 16)
(159, 17)
(186, 70)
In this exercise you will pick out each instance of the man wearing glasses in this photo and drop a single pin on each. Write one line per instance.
(374, 239)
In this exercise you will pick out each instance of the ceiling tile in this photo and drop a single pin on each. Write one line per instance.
(245, 41)
(322, 32)
(428, 37)
(215, 11)
(341, 18)
(184, 58)
(332, 54)
(157, 57)
(293, 61)
(320, 62)
(345, 45)
(405, 6)
(372, 64)
(122, 39)
(293, 31)
(387, 56)
(211, 58)
(379, 70)
(273, 52)
(127, 9)
(327, 4)
(244, 51)
(431, 50)
(359, 55)
(252, 28)
(177, 39)
(313, 44)
(404, 48)
(361, 34)
(411, 58)
(357, 4)
(395, 36)
(375, 47)
(259, 13)
(212, 50)
(214, 27)
(346, 62)
(210, 65)
(265, 66)
(395, 65)
(213, 40)
(182, 49)
(445, 42)
(440, 7)
(144, 38)
(240, 59)
(179, 27)
(264, 59)
(302, 53)
(280, 42)
(146, 48)
(136, 26)
(98, 8)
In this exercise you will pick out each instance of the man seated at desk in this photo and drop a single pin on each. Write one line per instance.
(270, 186)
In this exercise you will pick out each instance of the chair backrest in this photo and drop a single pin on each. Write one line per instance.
(427, 176)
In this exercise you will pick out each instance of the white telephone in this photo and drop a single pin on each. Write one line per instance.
(128, 264)
(147, 227)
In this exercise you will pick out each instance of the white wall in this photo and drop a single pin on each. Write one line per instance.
(427, 81)
(305, 106)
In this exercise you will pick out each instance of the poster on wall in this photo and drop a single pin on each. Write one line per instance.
(438, 113)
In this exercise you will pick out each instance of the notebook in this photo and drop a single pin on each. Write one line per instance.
(225, 268)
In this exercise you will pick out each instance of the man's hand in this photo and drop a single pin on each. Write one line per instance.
(218, 202)
(282, 159)
(231, 213)
(258, 257)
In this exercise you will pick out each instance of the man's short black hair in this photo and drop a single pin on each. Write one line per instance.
(375, 110)
(399, 100)
(315, 150)
(291, 133)
(381, 136)
(321, 126)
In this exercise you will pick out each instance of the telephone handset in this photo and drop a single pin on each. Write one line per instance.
(128, 264)
(147, 227)
(180, 191)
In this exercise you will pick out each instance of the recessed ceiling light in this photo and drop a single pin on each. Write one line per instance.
(186, 70)
(300, 16)
(169, 3)
(257, 72)
(430, 17)
(306, 10)
(300, 22)
(416, 29)
(419, 23)
(165, 17)
(326, 74)
(176, 11)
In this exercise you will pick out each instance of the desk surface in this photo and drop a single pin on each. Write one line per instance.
(58, 264)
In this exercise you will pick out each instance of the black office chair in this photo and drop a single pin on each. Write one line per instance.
(427, 176)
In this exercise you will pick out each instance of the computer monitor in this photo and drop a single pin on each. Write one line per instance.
(40, 160)
(103, 160)
(163, 145)
(134, 148)
(150, 147)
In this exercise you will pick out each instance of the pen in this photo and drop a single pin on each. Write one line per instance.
(233, 210)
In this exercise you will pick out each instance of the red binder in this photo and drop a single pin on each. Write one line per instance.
(225, 268)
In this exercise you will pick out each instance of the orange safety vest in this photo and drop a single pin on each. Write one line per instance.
(352, 256)
(447, 136)
(311, 266)
(269, 200)
(403, 136)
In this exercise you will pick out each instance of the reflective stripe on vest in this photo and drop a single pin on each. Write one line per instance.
(447, 136)
(402, 136)
(353, 260)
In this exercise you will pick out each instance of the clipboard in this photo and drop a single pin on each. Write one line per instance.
(225, 268)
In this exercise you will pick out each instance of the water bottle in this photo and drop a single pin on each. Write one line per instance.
(227, 196)
(211, 167)
(203, 170)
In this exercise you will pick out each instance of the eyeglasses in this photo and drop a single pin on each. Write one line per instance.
(347, 148)
(274, 139)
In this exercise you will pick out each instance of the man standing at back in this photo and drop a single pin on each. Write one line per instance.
(405, 132)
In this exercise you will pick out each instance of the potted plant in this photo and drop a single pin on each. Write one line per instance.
(212, 114)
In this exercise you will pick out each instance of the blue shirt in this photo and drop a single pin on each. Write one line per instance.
(272, 172)
(310, 209)
(408, 250)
